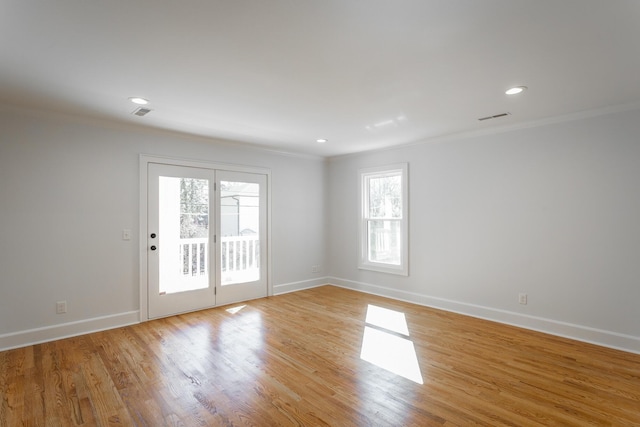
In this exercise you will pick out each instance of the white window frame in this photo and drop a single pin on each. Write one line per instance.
(363, 236)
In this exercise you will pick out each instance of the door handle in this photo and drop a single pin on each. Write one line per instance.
(153, 235)
(153, 248)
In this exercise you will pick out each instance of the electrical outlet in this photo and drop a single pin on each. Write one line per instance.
(126, 234)
(315, 269)
(522, 299)
(61, 307)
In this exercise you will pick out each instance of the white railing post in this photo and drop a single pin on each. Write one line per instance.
(239, 253)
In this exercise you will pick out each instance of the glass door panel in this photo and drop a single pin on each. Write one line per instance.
(184, 227)
(239, 232)
(242, 230)
(180, 233)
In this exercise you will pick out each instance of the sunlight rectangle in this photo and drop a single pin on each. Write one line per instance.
(388, 319)
(234, 310)
(392, 353)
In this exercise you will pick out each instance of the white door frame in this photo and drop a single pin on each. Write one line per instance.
(145, 159)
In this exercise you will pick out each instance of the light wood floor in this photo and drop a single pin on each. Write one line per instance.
(295, 359)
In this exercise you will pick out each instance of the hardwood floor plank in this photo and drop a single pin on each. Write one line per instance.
(297, 360)
(11, 388)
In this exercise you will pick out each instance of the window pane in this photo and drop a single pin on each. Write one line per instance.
(382, 232)
(385, 196)
(384, 241)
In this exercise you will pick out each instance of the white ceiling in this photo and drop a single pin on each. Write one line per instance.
(365, 74)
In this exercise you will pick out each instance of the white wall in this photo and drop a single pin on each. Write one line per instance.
(552, 211)
(68, 187)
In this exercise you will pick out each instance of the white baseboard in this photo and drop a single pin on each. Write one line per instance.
(600, 337)
(285, 288)
(578, 332)
(66, 330)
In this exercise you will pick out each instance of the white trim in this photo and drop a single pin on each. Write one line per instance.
(286, 288)
(177, 161)
(145, 159)
(142, 240)
(67, 330)
(587, 334)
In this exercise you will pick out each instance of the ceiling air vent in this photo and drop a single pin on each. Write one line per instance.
(494, 117)
(141, 111)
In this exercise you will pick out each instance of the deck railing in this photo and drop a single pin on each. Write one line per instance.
(238, 253)
(194, 256)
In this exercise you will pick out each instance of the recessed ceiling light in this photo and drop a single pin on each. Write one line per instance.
(321, 140)
(515, 90)
(139, 101)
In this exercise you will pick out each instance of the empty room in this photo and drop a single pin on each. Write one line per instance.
(319, 213)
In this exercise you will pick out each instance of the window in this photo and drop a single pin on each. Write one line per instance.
(383, 228)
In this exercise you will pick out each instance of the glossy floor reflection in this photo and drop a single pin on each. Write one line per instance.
(326, 356)
(234, 310)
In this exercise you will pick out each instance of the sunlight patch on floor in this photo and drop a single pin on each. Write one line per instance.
(234, 310)
(387, 319)
(383, 345)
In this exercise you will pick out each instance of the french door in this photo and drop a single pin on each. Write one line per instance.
(206, 238)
